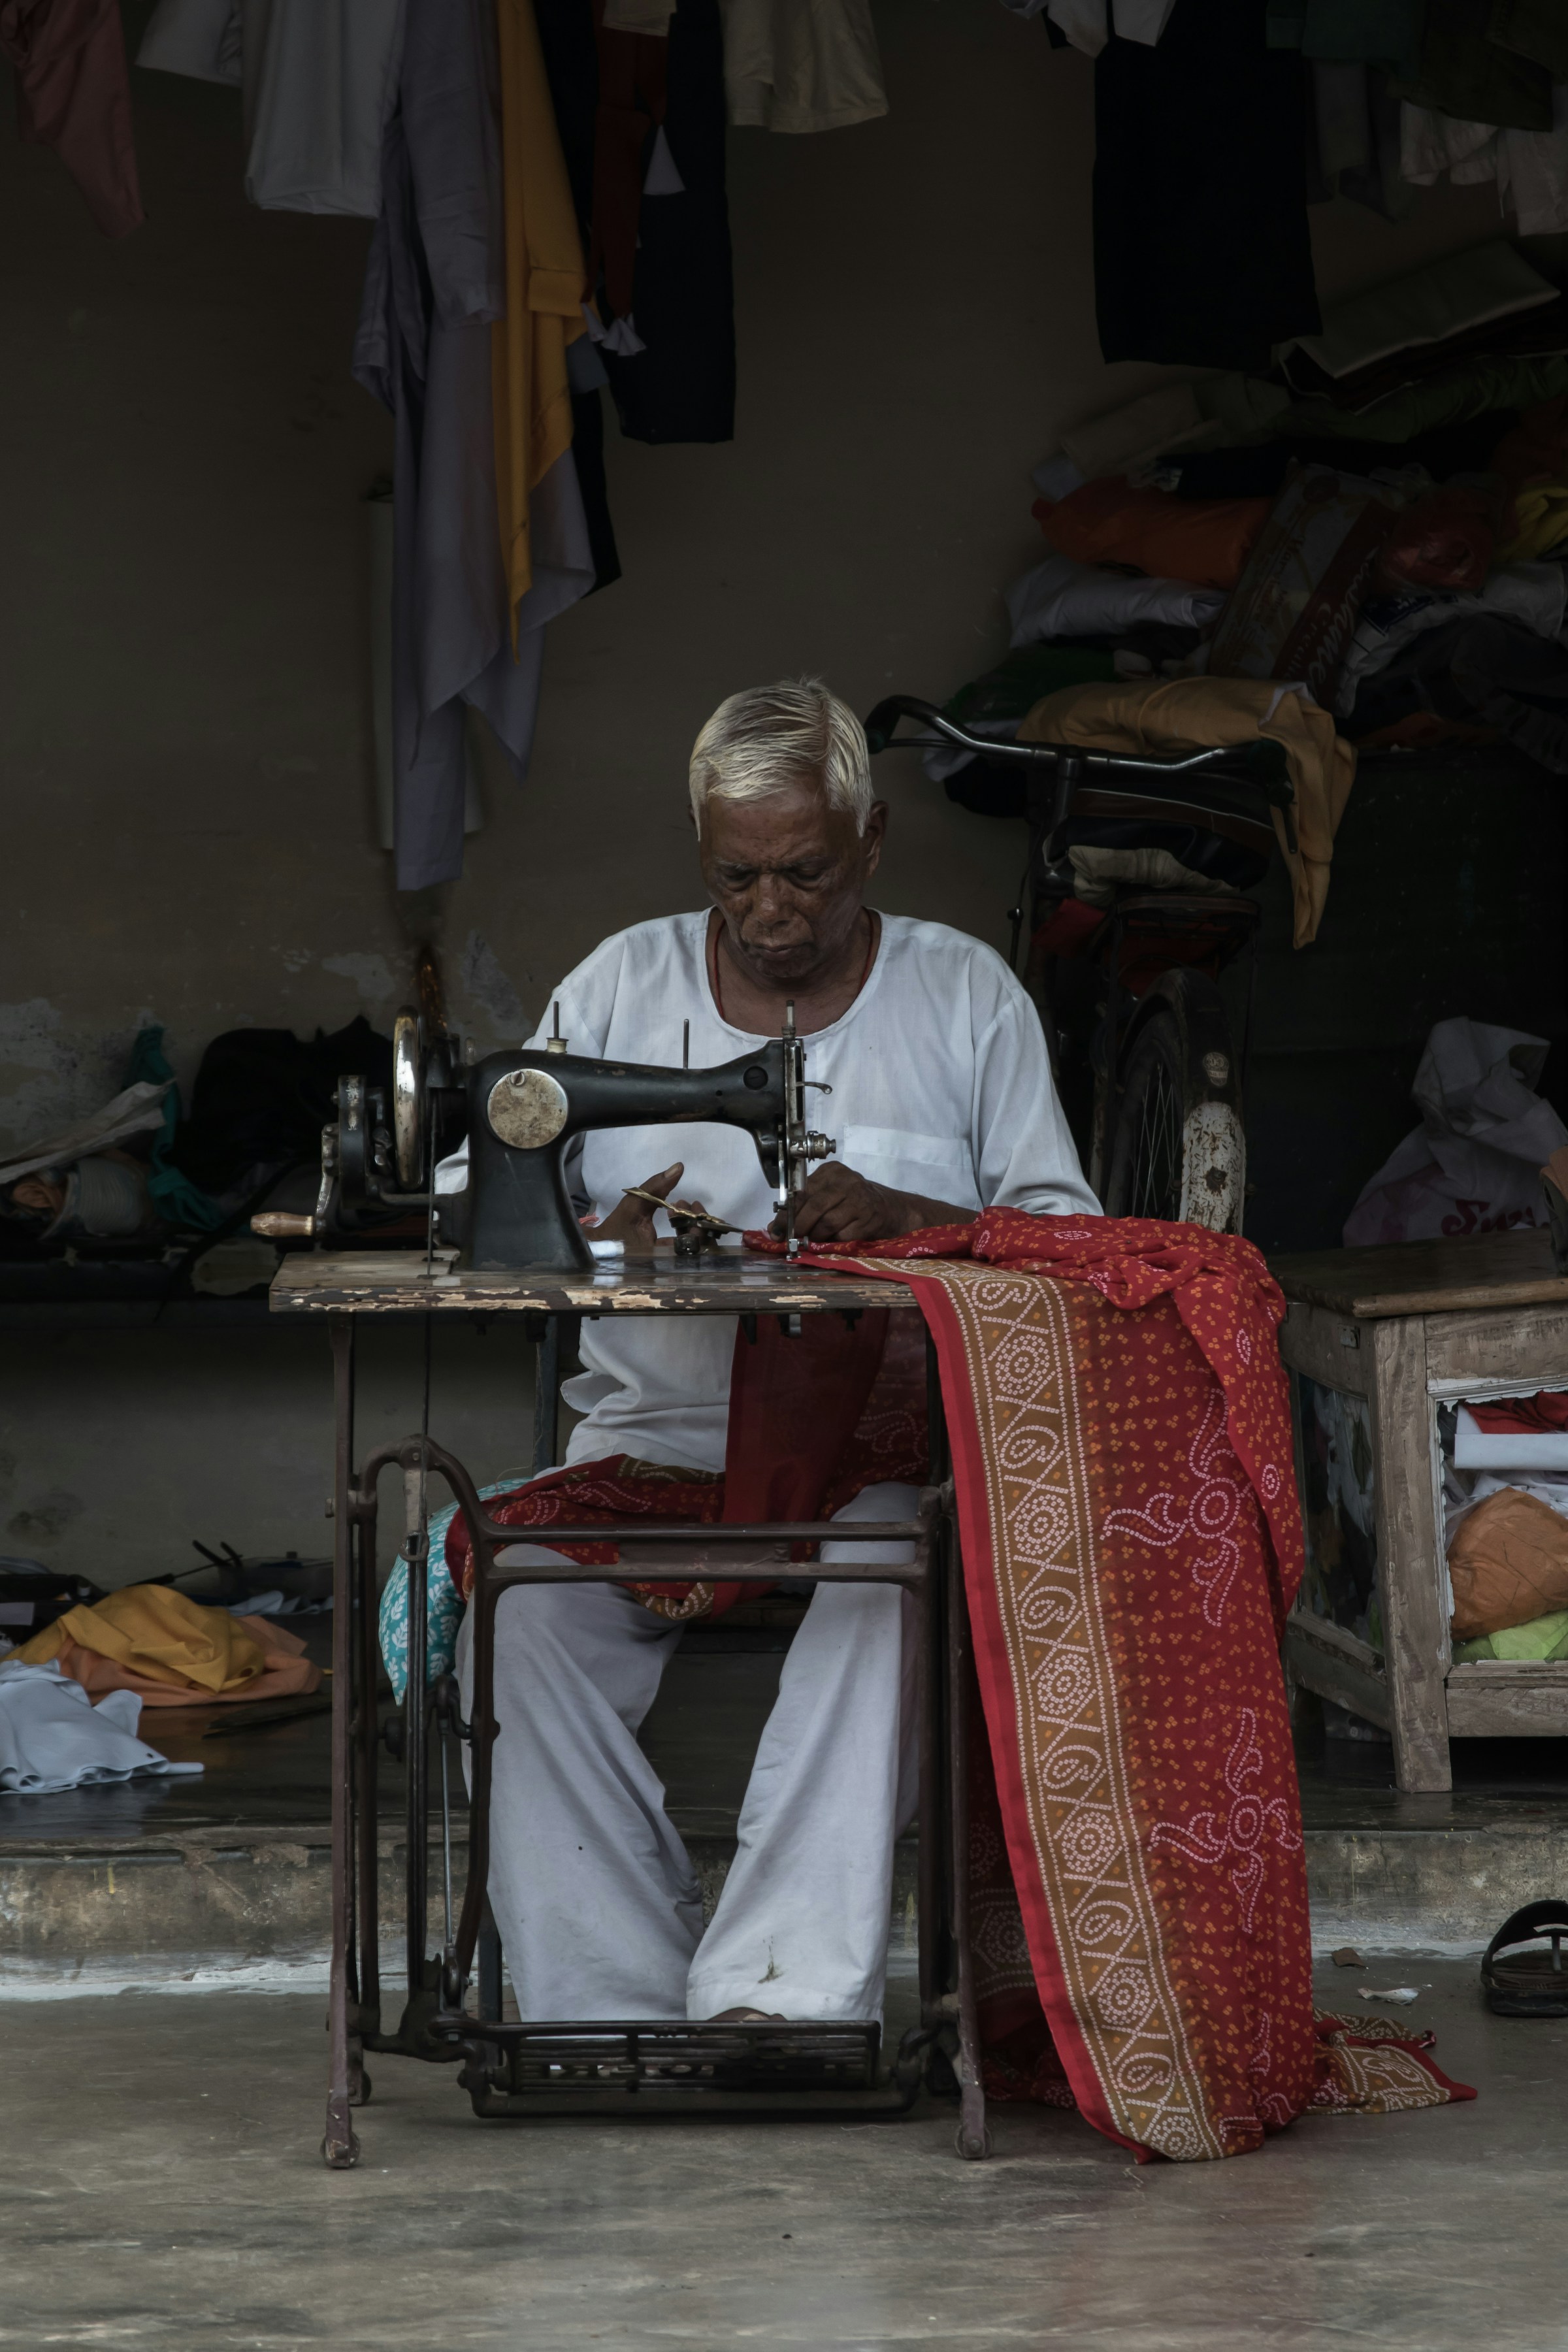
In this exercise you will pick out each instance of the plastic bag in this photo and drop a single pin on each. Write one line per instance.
(1445, 539)
(1205, 541)
(1473, 1166)
(1508, 1563)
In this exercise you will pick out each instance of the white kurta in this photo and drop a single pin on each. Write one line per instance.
(940, 1086)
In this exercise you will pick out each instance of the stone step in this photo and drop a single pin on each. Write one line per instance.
(209, 1901)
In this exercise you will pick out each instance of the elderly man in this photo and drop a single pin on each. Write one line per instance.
(943, 1103)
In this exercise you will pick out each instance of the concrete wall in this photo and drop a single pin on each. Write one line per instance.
(184, 725)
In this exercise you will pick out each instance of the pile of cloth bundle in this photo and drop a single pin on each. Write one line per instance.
(1505, 1498)
(1378, 527)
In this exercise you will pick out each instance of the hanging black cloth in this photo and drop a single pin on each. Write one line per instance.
(1202, 255)
(681, 385)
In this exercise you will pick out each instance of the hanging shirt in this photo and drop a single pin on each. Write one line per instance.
(317, 77)
(795, 66)
(438, 281)
(940, 1086)
(73, 94)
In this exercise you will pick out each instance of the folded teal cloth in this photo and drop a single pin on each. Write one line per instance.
(444, 1605)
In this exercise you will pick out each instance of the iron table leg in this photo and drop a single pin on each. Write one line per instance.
(338, 2146)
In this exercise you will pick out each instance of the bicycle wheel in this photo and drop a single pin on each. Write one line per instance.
(1177, 1150)
(1146, 1158)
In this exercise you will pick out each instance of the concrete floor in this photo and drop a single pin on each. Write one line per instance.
(164, 2191)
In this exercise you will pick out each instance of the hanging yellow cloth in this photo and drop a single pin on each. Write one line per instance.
(545, 290)
(1159, 720)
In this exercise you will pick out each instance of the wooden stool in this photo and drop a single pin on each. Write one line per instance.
(1391, 1336)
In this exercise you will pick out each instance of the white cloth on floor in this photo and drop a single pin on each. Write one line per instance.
(941, 1086)
(598, 1905)
(52, 1738)
(802, 65)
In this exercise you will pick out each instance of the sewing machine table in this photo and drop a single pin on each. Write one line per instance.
(453, 2010)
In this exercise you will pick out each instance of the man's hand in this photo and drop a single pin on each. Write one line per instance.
(631, 1220)
(836, 1205)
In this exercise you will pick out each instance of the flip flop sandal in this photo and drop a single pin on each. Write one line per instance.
(1527, 1984)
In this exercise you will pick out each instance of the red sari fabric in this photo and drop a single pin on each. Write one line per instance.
(1131, 1540)
(813, 1419)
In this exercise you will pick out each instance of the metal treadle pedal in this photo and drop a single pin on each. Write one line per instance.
(697, 2057)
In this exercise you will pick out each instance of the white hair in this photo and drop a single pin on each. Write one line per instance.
(770, 738)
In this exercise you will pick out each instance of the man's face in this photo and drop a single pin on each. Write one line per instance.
(788, 874)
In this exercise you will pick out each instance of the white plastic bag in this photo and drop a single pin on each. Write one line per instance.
(1473, 1165)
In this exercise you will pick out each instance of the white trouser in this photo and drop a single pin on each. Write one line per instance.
(598, 1906)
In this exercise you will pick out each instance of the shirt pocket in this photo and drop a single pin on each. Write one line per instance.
(940, 1167)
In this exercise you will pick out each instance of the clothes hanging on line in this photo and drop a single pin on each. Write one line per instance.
(541, 313)
(1369, 32)
(642, 125)
(1202, 255)
(202, 38)
(435, 284)
(1529, 167)
(1467, 73)
(316, 77)
(73, 94)
(804, 65)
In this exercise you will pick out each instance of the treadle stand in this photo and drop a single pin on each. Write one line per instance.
(452, 2011)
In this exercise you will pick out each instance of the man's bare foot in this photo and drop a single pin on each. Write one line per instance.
(749, 2017)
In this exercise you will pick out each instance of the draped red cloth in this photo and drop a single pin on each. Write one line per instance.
(1131, 1536)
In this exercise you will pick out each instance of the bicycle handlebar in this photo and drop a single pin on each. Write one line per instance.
(882, 723)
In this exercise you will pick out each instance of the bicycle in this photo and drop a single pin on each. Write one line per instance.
(1127, 983)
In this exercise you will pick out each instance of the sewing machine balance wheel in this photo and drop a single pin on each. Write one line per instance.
(409, 1080)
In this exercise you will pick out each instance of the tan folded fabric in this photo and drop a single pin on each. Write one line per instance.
(171, 1652)
(1509, 1563)
(1162, 720)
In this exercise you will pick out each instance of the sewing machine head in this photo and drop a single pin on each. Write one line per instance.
(522, 1111)
(525, 1108)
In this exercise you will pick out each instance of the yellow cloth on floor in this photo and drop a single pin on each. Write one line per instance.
(1162, 719)
(545, 290)
(154, 1632)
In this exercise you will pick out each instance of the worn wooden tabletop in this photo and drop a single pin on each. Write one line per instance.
(1491, 1270)
(725, 1282)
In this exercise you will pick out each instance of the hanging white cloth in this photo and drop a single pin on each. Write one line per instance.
(1531, 167)
(1089, 23)
(203, 38)
(802, 65)
(316, 79)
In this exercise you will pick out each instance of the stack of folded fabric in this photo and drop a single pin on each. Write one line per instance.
(1380, 529)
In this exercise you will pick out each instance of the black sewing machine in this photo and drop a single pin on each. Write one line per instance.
(521, 1110)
